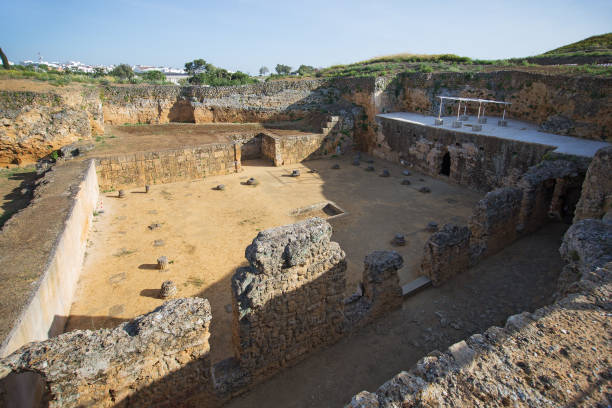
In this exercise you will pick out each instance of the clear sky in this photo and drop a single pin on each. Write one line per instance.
(245, 34)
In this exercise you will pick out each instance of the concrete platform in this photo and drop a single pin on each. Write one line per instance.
(516, 130)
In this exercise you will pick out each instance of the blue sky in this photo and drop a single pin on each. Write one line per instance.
(244, 35)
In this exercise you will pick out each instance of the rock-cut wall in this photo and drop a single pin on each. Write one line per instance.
(36, 123)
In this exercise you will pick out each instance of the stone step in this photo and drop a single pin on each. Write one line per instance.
(417, 284)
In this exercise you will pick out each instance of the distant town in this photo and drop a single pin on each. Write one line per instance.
(172, 74)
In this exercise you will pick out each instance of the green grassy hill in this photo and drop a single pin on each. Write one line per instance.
(593, 50)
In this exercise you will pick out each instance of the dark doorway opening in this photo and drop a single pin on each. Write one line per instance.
(446, 165)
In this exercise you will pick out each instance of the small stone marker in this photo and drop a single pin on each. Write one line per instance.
(295, 173)
(457, 124)
(406, 172)
(121, 194)
(385, 173)
(336, 166)
(502, 123)
(424, 189)
(432, 226)
(147, 188)
(370, 168)
(406, 182)
(482, 120)
(168, 290)
(162, 263)
(355, 162)
(154, 226)
(476, 128)
(158, 242)
(252, 182)
(220, 187)
(313, 171)
(399, 240)
(439, 122)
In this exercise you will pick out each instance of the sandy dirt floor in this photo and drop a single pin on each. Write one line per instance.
(521, 277)
(204, 233)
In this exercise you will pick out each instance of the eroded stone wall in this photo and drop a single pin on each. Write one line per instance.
(504, 215)
(596, 198)
(157, 359)
(476, 161)
(446, 254)
(289, 301)
(553, 357)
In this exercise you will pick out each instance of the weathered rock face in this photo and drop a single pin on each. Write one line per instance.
(596, 198)
(266, 102)
(569, 105)
(381, 285)
(587, 244)
(157, 358)
(35, 124)
(550, 190)
(446, 253)
(553, 357)
(289, 301)
(493, 224)
(477, 161)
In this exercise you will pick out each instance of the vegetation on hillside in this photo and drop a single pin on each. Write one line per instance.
(59, 78)
(204, 73)
(601, 44)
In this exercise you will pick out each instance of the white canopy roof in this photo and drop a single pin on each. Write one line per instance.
(456, 98)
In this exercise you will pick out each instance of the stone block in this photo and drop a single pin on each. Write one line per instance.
(439, 122)
(457, 124)
(502, 123)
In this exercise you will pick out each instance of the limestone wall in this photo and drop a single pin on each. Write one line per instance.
(289, 301)
(167, 166)
(264, 102)
(33, 124)
(157, 359)
(477, 161)
(42, 277)
(549, 358)
(596, 198)
(504, 215)
(494, 222)
(569, 105)
(446, 254)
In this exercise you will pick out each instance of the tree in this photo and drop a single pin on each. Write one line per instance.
(196, 66)
(123, 71)
(305, 70)
(282, 69)
(154, 76)
(5, 62)
(263, 71)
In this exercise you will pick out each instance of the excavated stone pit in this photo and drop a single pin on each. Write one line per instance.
(290, 278)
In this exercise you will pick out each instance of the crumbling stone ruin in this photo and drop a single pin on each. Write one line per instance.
(144, 362)
(289, 300)
(292, 300)
(551, 357)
